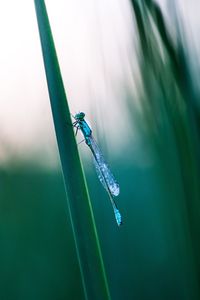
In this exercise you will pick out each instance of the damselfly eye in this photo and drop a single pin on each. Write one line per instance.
(80, 116)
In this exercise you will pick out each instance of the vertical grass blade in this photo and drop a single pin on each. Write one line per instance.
(84, 230)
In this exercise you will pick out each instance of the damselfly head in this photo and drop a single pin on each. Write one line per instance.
(80, 116)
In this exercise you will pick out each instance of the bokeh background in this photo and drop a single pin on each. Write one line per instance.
(133, 67)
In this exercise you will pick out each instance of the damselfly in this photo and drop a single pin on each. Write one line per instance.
(103, 171)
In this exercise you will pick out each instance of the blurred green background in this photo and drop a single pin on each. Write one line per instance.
(155, 158)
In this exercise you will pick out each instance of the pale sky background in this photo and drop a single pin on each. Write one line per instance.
(94, 39)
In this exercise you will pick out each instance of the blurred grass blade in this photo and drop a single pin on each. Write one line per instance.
(170, 112)
(85, 235)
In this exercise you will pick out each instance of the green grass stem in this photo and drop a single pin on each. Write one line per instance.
(84, 230)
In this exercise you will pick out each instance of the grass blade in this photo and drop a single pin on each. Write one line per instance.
(84, 230)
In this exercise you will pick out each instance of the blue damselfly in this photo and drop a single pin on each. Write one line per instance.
(103, 171)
